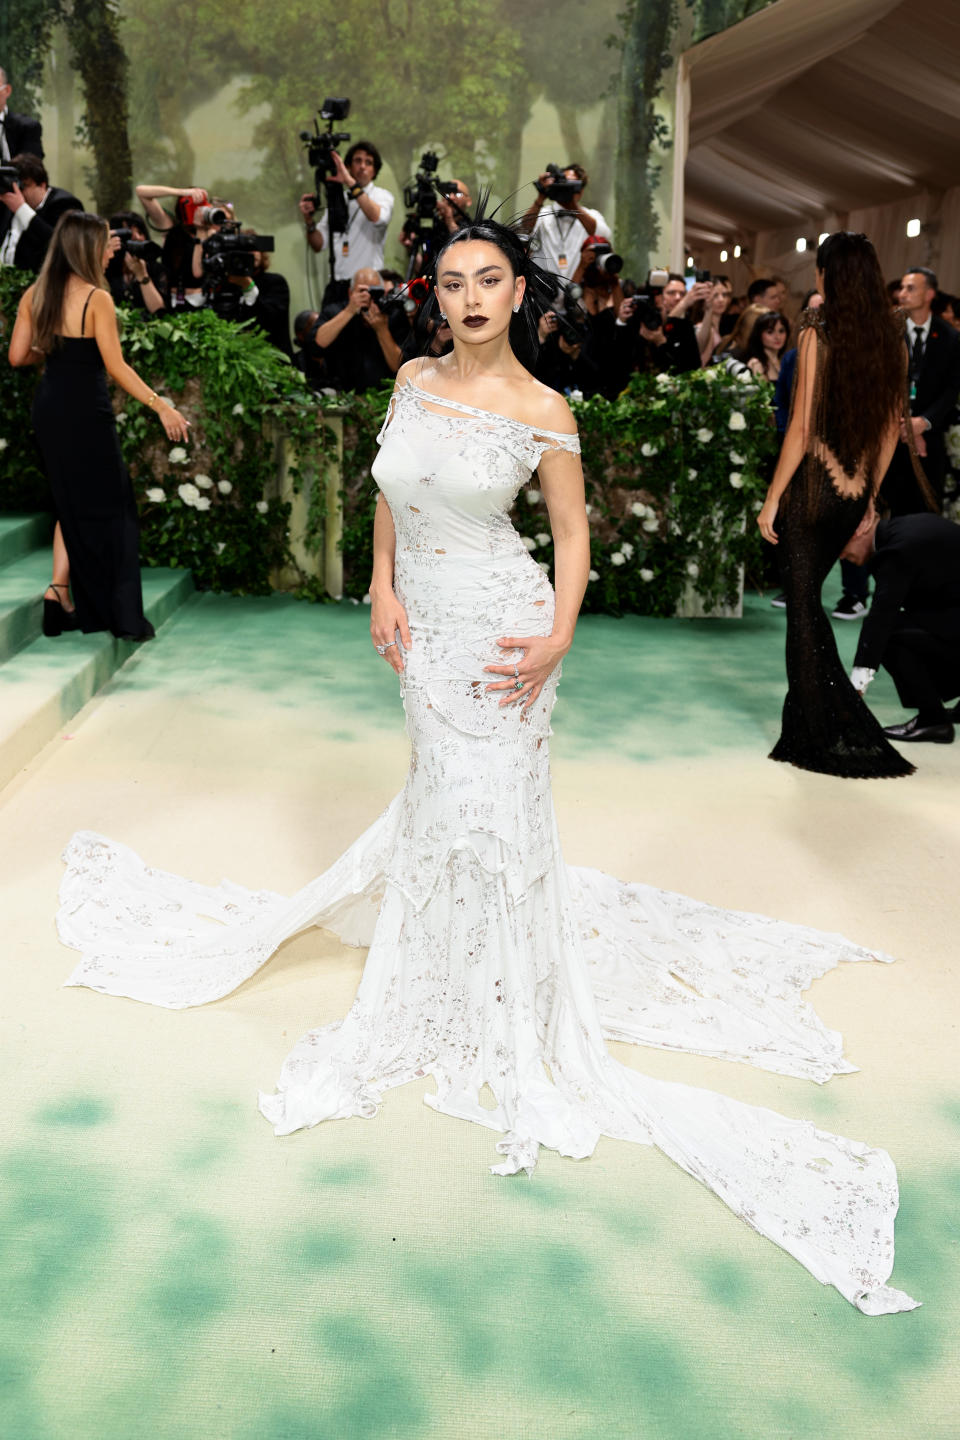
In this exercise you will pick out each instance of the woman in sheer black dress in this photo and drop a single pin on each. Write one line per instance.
(847, 405)
(67, 320)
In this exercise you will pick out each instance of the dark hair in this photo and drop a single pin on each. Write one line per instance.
(129, 220)
(864, 374)
(30, 167)
(302, 323)
(76, 248)
(538, 296)
(944, 301)
(393, 276)
(754, 348)
(580, 173)
(758, 287)
(807, 298)
(371, 150)
(928, 275)
(673, 275)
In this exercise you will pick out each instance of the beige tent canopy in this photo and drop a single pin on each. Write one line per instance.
(814, 114)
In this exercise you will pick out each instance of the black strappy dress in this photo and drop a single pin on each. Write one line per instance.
(92, 494)
(826, 725)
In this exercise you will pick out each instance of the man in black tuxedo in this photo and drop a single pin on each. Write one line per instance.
(19, 134)
(913, 628)
(31, 210)
(933, 348)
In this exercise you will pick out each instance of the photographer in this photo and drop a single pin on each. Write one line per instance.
(360, 340)
(266, 298)
(19, 134)
(646, 337)
(32, 207)
(134, 273)
(308, 359)
(360, 245)
(184, 233)
(558, 224)
(451, 212)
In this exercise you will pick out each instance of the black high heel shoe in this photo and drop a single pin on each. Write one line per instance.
(55, 618)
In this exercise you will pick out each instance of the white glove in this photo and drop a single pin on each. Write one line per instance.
(860, 677)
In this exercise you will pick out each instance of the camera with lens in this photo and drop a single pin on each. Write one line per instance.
(562, 187)
(140, 249)
(8, 179)
(420, 197)
(571, 318)
(604, 264)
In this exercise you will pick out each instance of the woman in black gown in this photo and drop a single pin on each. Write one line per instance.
(67, 320)
(848, 400)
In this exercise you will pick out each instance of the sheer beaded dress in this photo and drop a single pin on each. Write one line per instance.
(490, 962)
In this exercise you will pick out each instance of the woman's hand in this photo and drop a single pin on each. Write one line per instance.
(766, 518)
(755, 366)
(387, 616)
(173, 423)
(541, 656)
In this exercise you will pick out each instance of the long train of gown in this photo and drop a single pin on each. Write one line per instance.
(490, 961)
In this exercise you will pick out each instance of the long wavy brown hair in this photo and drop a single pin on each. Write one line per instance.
(76, 248)
(865, 364)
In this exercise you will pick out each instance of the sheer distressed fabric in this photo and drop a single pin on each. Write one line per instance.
(826, 725)
(490, 962)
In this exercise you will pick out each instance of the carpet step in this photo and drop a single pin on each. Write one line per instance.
(22, 583)
(47, 681)
(22, 533)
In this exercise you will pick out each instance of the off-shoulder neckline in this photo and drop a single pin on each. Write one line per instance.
(495, 414)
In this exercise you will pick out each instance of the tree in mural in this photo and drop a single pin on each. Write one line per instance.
(97, 53)
(649, 53)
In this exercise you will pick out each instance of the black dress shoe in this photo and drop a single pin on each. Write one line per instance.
(939, 734)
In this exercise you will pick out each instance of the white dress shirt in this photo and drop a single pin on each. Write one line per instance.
(5, 155)
(360, 246)
(19, 220)
(558, 237)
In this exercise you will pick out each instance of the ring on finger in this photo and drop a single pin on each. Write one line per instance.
(519, 684)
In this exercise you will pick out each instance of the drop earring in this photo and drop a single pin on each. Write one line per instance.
(442, 315)
(516, 308)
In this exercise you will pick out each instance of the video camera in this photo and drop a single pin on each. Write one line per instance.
(227, 252)
(9, 178)
(420, 198)
(571, 318)
(561, 188)
(321, 145)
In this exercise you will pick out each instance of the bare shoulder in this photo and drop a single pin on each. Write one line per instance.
(548, 409)
(406, 373)
(26, 299)
(101, 302)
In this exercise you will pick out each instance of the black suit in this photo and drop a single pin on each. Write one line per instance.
(32, 247)
(24, 135)
(936, 383)
(913, 628)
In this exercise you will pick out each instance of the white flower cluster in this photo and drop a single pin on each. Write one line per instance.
(190, 495)
(737, 421)
(952, 438)
(3, 444)
(533, 496)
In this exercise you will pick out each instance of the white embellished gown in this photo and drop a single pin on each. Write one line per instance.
(490, 961)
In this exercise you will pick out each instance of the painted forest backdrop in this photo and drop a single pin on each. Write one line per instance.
(216, 92)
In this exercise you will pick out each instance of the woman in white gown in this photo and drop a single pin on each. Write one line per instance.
(490, 961)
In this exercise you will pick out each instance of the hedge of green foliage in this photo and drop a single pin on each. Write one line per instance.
(201, 504)
(675, 472)
(674, 467)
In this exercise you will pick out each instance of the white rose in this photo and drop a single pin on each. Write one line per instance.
(530, 544)
(646, 576)
(220, 546)
(542, 538)
(533, 496)
(202, 503)
(737, 420)
(177, 455)
(224, 486)
(626, 548)
(543, 566)
(650, 524)
(120, 418)
(664, 381)
(712, 374)
(575, 395)
(203, 481)
(366, 600)
(156, 495)
(593, 575)
(738, 459)
(188, 493)
(691, 473)
(237, 409)
(637, 509)
(736, 479)
(647, 449)
(589, 510)
(262, 507)
(616, 558)
(704, 435)
(693, 569)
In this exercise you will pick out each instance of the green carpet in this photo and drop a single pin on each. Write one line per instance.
(169, 1269)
